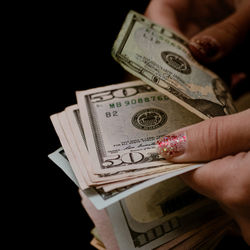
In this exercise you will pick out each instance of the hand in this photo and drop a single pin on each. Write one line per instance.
(225, 142)
(214, 28)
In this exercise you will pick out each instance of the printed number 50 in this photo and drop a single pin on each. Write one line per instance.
(128, 158)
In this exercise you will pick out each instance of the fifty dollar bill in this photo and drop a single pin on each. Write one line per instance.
(122, 122)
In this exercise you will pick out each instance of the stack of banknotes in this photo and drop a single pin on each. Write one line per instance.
(131, 193)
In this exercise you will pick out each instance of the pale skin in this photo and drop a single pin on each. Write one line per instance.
(223, 142)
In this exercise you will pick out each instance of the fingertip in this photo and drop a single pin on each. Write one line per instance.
(172, 146)
(187, 177)
(199, 180)
(204, 48)
(219, 39)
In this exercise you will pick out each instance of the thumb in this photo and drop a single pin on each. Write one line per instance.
(208, 140)
(226, 180)
(219, 39)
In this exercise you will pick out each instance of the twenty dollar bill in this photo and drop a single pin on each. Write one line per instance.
(161, 58)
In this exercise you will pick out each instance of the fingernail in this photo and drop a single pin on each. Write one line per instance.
(171, 146)
(204, 47)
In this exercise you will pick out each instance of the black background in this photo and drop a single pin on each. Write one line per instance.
(74, 53)
(77, 47)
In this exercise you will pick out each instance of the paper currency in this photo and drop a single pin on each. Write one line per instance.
(60, 159)
(76, 134)
(204, 237)
(102, 199)
(108, 145)
(95, 233)
(122, 123)
(102, 222)
(179, 222)
(97, 244)
(147, 220)
(81, 144)
(199, 238)
(160, 57)
(158, 215)
(63, 139)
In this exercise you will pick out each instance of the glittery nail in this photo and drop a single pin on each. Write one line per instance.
(204, 48)
(172, 145)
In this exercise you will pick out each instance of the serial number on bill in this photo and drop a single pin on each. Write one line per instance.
(138, 101)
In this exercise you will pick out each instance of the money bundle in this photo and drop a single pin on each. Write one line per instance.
(108, 141)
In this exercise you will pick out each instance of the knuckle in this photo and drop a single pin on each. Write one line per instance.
(229, 29)
(211, 139)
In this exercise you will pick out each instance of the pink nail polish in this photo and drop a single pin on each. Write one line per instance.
(170, 146)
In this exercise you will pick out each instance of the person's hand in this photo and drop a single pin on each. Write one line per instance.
(225, 143)
(214, 28)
